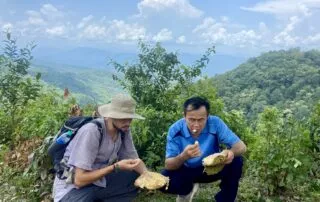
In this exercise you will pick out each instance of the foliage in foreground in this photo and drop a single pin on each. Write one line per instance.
(282, 162)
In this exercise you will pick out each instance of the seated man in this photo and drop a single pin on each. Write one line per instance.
(105, 166)
(183, 164)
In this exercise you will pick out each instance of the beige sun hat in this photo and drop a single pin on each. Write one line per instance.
(121, 107)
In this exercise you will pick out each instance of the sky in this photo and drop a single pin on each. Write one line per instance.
(238, 27)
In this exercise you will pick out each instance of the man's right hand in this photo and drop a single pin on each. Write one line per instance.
(128, 164)
(191, 151)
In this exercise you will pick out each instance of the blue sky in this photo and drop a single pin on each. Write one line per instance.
(238, 27)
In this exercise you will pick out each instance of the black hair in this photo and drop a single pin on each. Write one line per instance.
(195, 103)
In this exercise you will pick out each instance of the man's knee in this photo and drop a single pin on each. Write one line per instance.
(181, 181)
(80, 195)
(234, 169)
(237, 162)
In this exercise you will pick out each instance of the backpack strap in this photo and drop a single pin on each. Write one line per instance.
(122, 134)
(99, 128)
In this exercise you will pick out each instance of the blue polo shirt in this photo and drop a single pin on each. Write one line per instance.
(214, 133)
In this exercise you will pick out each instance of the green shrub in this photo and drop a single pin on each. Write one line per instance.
(279, 157)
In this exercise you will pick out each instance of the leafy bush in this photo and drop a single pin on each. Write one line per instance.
(43, 116)
(279, 157)
(150, 135)
(16, 87)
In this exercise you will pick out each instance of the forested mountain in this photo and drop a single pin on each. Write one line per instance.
(285, 79)
(88, 85)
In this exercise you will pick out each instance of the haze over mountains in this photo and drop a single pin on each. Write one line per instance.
(87, 57)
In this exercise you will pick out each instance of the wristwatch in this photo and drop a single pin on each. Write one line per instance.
(116, 168)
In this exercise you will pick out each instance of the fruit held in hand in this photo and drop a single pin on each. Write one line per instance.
(151, 180)
(214, 163)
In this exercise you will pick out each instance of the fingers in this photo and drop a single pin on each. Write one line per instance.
(194, 151)
(230, 157)
(129, 164)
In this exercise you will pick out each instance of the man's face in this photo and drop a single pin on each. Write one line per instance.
(196, 120)
(122, 124)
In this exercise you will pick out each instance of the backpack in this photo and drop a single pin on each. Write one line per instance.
(56, 151)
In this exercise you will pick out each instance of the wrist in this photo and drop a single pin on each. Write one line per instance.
(182, 157)
(116, 168)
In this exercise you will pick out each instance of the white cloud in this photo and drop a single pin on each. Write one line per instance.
(94, 32)
(216, 32)
(284, 37)
(182, 7)
(56, 31)
(7, 27)
(224, 19)
(35, 18)
(48, 14)
(211, 31)
(116, 30)
(181, 39)
(50, 11)
(312, 39)
(263, 27)
(285, 7)
(163, 35)
(293, 22)
(85, 21)
(243, 38)
(127, 32)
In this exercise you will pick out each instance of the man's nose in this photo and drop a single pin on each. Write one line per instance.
(196, 123)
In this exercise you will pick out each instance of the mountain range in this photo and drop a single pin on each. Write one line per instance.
(87, 74)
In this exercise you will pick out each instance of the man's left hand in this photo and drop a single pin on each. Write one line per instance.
(230, 157)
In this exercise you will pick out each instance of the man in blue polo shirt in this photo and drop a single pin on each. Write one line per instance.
(193, 138)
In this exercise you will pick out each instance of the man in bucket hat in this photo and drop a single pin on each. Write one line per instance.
(105, 167)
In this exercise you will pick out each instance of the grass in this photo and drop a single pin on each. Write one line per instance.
(206, 192)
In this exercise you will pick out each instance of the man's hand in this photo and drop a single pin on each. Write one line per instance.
(191, 151)
(129, 164)
(230, 156)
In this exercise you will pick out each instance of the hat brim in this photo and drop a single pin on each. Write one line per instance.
(105, 111)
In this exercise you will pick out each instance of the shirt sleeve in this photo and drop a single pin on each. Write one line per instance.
(172, 147)
(85, 147)
(127, 148)
(225, 135)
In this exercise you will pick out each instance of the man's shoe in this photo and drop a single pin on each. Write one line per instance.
(188, 197)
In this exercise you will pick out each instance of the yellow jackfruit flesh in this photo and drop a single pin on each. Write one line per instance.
(151, 181)
(214, 163)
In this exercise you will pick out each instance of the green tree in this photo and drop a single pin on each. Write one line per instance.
(16, 87)
(153, 81)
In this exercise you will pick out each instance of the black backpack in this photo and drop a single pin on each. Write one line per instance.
(56, 151)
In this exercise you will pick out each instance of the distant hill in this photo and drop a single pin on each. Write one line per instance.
(86, 84)
(86, 73)
(85, 57)
(285, 79)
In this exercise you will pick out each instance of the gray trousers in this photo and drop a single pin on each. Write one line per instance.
(120, 188)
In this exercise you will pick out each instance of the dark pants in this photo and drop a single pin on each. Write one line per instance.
(181, 180)
(120, 188)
